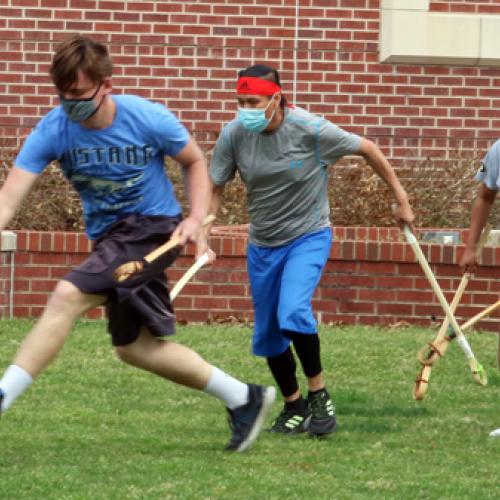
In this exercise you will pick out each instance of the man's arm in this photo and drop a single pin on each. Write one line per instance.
(376, 159)
(214, 205)
(14, 190)
(215, 199)
(197, 188)
(479, 216)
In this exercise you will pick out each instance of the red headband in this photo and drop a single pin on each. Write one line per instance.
(256, 86)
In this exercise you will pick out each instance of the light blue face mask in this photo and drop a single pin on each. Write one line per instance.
(79, 110)
(254, 119)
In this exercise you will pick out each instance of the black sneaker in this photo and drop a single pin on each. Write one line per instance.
(323, 419)
(1, 399)
(246, 421)
(291, 421)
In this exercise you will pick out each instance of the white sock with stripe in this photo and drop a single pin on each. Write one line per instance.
(226, 388)
(14, 382)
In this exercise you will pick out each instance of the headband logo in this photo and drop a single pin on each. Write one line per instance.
(256, 86)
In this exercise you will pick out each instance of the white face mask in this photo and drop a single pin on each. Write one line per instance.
(255, 119)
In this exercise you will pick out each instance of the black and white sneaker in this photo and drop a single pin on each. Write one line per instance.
(323, 420)
(1, 400)
(246, 421)
(291, 421)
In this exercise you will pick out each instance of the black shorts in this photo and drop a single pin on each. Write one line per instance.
(144, 299)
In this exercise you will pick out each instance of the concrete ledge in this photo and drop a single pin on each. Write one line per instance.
(409, 33)
(405, 4)
(8, 241)
(441, 237)
(494, 238)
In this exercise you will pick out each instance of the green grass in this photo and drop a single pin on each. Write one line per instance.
(94, 428)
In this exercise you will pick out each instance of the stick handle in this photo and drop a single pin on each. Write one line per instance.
(199, 263)
(477, 370)
(463, 284)
(166, 247)
(481, 315)
(432, 279)
(453, 306)
(172, 243)
(430, 353)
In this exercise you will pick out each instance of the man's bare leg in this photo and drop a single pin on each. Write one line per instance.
(45, 340)
(248, 404)
(167, 359)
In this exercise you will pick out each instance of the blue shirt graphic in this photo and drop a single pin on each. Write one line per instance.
(118, 170)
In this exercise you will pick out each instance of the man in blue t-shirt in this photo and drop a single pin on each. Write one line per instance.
(112, 149)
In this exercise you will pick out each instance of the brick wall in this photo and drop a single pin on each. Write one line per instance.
(186, 54)
(371, 278)
(466, 6)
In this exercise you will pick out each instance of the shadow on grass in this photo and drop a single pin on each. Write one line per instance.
(355, 403)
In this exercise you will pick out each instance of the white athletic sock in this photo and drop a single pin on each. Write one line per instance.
(14, 382)
(226, 388)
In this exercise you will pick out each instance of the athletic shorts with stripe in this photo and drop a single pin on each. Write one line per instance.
(283, 280)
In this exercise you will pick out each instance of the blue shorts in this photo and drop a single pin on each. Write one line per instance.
(283, 280)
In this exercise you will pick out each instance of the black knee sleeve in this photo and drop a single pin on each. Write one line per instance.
(283, 369)
(307, 347)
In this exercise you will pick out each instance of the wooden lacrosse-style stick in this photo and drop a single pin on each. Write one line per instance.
(477, 370)
(436, 349)
(199, 263)
(129, 269)
(430, 353)
(422, 380)
(464, 326)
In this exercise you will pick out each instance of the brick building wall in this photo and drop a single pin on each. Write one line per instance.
(187, 53)
(371, 278)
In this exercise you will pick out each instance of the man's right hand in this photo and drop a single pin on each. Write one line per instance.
(468, 261)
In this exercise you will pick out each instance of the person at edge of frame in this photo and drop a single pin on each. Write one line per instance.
(489, 177)
(282, 154)
(112, 148)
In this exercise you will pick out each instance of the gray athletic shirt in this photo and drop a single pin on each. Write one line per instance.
(489, 172)
(285, 173)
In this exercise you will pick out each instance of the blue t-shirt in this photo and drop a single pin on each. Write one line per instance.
(118, 170)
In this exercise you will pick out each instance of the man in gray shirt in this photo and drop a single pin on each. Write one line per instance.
(282, 154)
(489, 176)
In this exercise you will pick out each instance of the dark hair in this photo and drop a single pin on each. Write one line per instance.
(265, 73)
(79, 53)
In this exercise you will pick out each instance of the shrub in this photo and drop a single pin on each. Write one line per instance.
(441, 194)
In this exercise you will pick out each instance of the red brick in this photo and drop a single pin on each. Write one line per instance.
(394, 308)
(240, 304)
(183, 302)
(192, 316)
(357, 307)
(31, 299)
(32, 272)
